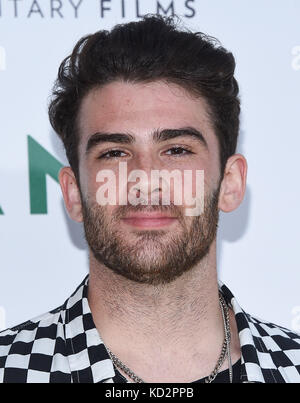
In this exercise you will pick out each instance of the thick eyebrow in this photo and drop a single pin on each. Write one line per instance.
(101, 137)
(158, 136)
(169, 134)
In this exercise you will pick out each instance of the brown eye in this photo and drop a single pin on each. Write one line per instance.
(179, 151)
(111, 154)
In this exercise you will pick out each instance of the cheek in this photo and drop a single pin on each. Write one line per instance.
(92, 185)
(198, 174)
(109, 187)
(188, 185)
(96, 180)
(193, 186)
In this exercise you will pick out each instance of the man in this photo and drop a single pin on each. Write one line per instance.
(148, 96)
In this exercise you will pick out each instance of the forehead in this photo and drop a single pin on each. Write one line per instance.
(139, 108)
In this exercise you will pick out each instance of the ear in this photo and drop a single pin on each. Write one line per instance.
(71, 194)
(233, 185)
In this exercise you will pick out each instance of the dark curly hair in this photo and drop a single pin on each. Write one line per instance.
(151, 49)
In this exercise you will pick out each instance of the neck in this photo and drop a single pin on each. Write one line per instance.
(180, 321)
(190, 299)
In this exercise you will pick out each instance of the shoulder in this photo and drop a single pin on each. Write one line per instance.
(273, 335)
(267, 335)
(33, 339)
(270, 352)
(278, 348)
(47, 321)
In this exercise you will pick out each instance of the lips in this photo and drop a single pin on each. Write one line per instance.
(149, 215)
(149, 220)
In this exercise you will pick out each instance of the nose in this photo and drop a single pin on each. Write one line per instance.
(144, 184)
(145, 189)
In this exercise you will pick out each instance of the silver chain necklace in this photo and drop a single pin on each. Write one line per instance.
(225, 350)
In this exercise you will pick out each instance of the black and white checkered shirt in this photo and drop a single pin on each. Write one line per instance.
(64, 346)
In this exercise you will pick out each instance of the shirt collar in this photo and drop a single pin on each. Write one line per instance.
(88, 358)
(90, 362)
(251, 369)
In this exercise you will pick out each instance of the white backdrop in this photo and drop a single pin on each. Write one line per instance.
(43, 256)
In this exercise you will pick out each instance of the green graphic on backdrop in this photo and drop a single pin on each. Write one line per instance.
(41, 163)
(1, 211)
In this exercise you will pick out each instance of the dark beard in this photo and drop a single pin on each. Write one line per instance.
(153, 256)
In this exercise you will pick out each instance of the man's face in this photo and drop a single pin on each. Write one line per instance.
(150, 244)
